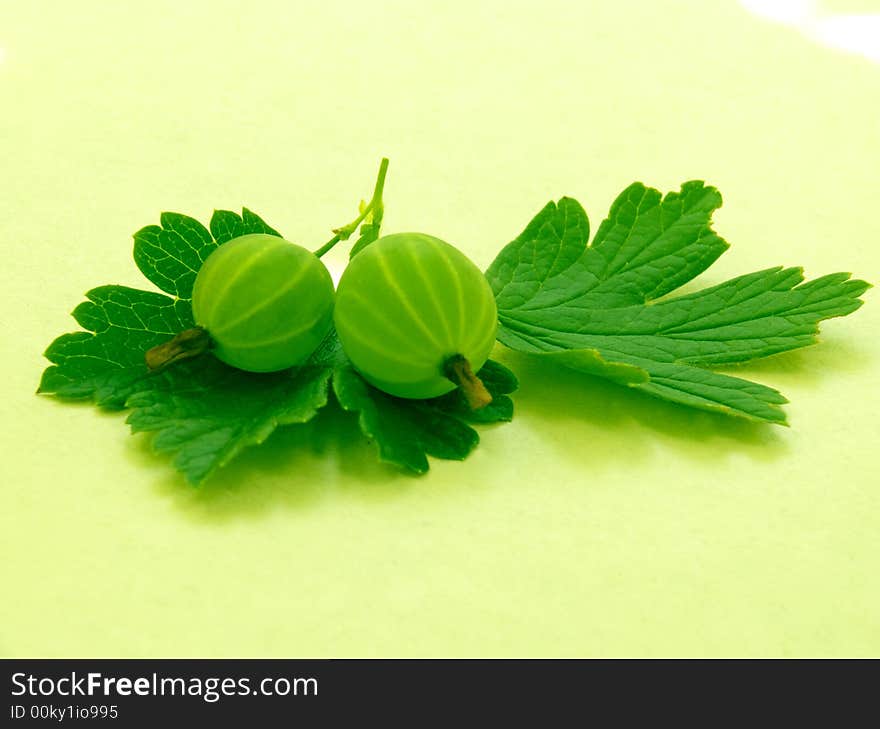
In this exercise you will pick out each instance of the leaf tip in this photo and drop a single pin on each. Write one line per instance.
(195, 480)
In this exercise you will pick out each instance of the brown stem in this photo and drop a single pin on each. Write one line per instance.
(458, 369)
(189, 343)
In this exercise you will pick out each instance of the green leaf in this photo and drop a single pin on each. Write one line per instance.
(206, 413)
(226, 225)
(171, 254)
(106, 362)
(407, 431)
(595, 308)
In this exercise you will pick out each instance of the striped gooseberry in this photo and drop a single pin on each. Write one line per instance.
(416, 317)
(260, 303)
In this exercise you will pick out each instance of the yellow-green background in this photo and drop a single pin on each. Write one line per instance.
(600, 522)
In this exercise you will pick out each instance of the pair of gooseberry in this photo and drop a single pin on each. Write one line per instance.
(414, 315)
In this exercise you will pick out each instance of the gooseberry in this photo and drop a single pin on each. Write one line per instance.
(260, 304)
(416, 317)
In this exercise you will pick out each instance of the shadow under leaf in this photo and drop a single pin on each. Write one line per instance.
(589, 419)
(600, 422)
(297, 467)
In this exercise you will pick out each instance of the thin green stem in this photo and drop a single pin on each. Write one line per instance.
(344, 232)
(374, 206)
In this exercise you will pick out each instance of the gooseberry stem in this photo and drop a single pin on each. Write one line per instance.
(189, 343)
(375, 207)
(458, 369)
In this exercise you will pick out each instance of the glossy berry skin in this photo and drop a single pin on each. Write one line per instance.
(405, 305)
(265, 302)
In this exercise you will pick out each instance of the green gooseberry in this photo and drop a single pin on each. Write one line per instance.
(416, 317)
(260, 303)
